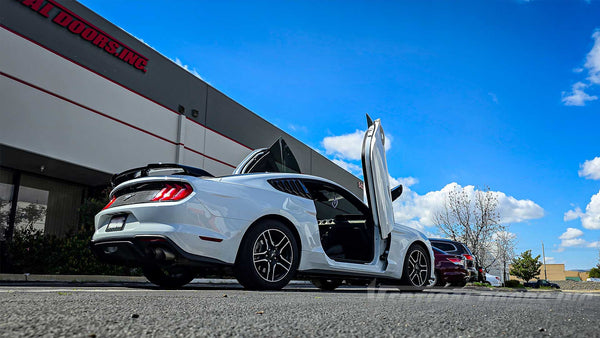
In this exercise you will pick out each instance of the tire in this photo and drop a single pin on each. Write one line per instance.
(438, 281)
(268, 257)
(326, 284)
(459, 284)
(168, 278)
(417, 268)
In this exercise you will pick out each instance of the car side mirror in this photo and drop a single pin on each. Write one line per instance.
(396, 192)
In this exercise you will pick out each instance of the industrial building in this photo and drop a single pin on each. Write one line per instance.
(82, 99)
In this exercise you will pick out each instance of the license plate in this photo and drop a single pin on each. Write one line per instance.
(116, 223)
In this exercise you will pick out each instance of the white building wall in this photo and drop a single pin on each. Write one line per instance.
(56, 108)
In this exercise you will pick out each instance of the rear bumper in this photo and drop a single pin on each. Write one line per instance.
(145, 250)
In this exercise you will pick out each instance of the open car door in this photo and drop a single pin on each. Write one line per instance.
(276, 159)
(376, 178)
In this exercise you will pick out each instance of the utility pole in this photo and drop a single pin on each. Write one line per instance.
(544, 255)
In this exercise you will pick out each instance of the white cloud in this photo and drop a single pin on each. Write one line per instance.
(295, 127)
(513, 210)
(590, 169)
(571, 233)
(577, 97)
(405, 181)
(590, 219)
(550, 260)
(592, 62)
(186, 67)
(571, 238)
(573, 214)
(348, 146)
(418, 211)
(349, 167)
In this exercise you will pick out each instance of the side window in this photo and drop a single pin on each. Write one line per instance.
(331, 201)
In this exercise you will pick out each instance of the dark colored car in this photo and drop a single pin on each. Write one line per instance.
(457, 248)
(449, 269)
(541, 282)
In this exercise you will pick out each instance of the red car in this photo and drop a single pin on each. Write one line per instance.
(449, 269)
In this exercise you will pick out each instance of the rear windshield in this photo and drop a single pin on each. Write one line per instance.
(447, 247)
(452, 247)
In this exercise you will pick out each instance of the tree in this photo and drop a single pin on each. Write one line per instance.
(503, 247)
(595, 271)
(471, 217)
(525, 266)
(30, 215)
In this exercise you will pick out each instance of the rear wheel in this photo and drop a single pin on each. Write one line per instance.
(168, 277)
(417, 268)
(326, 284)
(268, 257)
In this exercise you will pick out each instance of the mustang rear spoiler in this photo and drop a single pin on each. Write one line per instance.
(176, 169)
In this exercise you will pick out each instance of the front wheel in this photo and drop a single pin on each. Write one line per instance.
(169, 278)
(417, 268)
(268, 257)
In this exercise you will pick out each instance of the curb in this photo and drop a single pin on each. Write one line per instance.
(26, 277)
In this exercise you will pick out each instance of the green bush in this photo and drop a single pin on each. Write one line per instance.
(33, 252)
(595, 272)
(512, 283)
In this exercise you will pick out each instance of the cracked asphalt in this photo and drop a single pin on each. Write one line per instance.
(119, 310)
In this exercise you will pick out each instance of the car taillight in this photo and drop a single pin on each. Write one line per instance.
(455, 260)
(112, 200)
(173, 192)
(468, 257)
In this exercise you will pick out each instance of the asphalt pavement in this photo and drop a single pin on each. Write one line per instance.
(139, 309)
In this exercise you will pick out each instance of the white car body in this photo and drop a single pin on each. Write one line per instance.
(208, 226)
(493, 280)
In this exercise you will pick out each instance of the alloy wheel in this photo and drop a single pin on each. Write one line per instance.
(417, 268)
(272, 255)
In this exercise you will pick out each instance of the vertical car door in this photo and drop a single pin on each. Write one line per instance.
(276, 159)
(376, 177)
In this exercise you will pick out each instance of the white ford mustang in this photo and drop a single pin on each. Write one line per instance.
(265, 224)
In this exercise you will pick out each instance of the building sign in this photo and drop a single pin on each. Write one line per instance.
(88, 32)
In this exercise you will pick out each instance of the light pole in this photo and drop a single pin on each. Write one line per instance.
(544, 255)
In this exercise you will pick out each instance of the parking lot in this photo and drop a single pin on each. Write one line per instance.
(137, 309)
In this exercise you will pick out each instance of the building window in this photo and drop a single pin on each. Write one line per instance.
(31, 209)
(42, 203)
(48, 205)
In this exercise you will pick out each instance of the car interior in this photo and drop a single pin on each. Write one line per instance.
(346, 230)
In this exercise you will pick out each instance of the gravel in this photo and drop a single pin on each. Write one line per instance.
(573, 285)
(296, 311)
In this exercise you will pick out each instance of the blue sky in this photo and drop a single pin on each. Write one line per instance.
(477, 93)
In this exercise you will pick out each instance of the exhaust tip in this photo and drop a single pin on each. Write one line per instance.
(162, 254)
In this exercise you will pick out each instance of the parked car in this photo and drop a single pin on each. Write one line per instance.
(266, 224)
(493, 280)
(449, 269)
(458, 248)
(541, 282)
